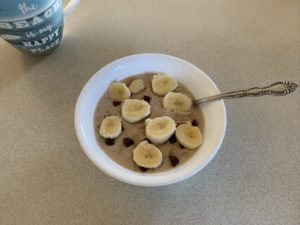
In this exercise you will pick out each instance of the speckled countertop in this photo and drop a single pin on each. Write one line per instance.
(45, 178)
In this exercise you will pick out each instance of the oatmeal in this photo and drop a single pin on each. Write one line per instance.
(146, 131)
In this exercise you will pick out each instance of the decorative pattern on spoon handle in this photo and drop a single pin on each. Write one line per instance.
(279, 88)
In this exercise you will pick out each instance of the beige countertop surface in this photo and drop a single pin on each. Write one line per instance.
(45, 178)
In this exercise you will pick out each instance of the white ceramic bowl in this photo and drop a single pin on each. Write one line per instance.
(189, 75)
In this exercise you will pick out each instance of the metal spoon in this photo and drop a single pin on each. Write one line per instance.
(279, 88)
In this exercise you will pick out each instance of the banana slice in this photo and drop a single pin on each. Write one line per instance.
(177, 102)
(136, 86)
(160, 129)
(118, 92)
(147, 155)
(188, 135)
(111, 127)
(134, 110)
(162, 84)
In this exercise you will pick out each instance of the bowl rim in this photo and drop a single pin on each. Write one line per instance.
(109, 172)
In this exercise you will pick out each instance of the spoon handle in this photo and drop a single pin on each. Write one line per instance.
(279, 88)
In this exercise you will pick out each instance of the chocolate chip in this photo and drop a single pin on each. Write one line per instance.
(146, 139)
(116, 103)
(195, 123)
(128, 141)
(147, 98)
(173, 139)
(122, 128)
(143, 169)
(109, 141)
(174, 160)
(181, 146)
